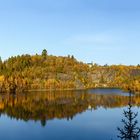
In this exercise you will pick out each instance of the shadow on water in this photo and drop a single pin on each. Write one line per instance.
(130, 129)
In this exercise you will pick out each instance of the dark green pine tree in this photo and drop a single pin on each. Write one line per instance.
(0, 65)
(130, 130)
(44, 53)
(0, 60)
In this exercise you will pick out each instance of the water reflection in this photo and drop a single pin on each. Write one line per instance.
(130, 129)
(43, 106)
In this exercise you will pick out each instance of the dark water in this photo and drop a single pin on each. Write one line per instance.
(70, 115)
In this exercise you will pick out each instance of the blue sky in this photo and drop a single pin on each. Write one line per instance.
(102, 31)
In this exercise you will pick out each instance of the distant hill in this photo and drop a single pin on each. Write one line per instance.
(48, 72)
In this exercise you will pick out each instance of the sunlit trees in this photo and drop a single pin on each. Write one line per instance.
(44, 71)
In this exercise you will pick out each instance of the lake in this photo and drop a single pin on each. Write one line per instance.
(94, 114)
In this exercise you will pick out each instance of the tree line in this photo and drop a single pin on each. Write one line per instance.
(47, 72)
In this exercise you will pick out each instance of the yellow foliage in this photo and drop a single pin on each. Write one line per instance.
(1, 78)
(1, 105)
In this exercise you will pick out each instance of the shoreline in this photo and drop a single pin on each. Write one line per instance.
(69, 89)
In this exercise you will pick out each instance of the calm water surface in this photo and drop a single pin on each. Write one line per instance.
(70, 115)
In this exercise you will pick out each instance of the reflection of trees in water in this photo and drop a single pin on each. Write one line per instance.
(47, 106)
(130, 130)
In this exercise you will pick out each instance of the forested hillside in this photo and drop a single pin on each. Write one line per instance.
(47, 72)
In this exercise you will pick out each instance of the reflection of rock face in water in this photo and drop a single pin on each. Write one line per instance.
(46, 106)
(130, 130)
